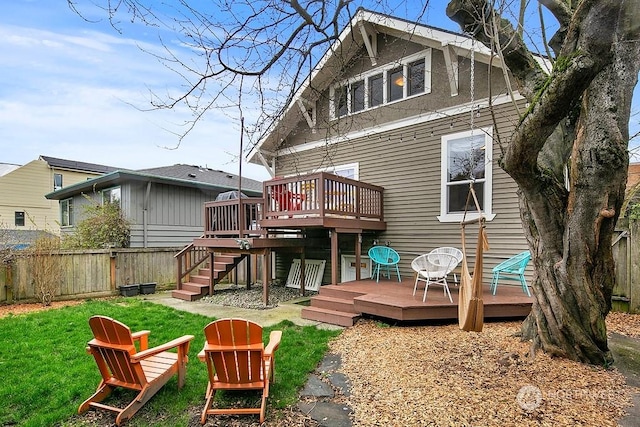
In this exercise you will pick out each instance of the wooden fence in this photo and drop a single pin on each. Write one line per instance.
(93, 273)
(626, 253)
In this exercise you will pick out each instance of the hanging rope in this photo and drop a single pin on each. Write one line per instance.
(472, 83)
(470, 303)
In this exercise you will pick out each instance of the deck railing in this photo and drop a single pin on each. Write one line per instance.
(189, 259)
(316, 195)
(233, 218)
(322, 194)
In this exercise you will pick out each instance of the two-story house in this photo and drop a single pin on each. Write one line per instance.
(380, 145)
(23, 206)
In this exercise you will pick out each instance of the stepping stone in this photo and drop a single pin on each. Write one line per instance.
(316, 388)
(330, 363)
(327, 414)
(341, 382)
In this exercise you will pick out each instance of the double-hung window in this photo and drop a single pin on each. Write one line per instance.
(66, 212)
(411, 76)
(57, 181)
(466, 160)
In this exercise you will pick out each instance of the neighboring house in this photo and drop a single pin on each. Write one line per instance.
(164, 205)
(23, 205)
(5, 168)
(392, 104)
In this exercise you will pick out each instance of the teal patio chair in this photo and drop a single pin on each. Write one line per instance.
(384, 257)
(512, 269)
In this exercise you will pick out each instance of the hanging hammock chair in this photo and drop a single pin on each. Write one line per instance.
(470, 304)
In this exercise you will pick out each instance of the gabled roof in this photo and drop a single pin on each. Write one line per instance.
(77, 166)
(176, 175)
(354, 36)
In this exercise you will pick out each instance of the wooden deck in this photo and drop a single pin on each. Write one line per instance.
(343, 304)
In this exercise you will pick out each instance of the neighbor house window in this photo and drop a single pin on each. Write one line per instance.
(66, 212)
(392, 82)
(19, 218)
(465, 161)
(57, 181)
(111, 195)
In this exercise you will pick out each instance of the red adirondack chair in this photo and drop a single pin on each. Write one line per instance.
(122, 365)
(237, 360)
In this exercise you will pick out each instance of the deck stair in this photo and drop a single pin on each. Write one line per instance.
(333, 305)
(198, 284)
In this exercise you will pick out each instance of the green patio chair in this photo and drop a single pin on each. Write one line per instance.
(512, 269)
(384, 256)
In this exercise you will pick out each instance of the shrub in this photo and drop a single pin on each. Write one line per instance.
(45, 266)
(103, 226)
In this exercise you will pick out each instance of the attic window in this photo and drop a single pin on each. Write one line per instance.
(402, 79)
(192, 175)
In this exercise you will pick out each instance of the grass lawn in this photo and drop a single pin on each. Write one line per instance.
(46, 372)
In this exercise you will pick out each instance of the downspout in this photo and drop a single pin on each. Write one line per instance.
(145, 213)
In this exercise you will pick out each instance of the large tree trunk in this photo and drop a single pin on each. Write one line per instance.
(585, 105)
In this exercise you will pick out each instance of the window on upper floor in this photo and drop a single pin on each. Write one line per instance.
(19, 218)
(408, 77)
(111, 195)
(66, 212)
(465, 160)
(349, 170)
(57, 181)
(376, 90)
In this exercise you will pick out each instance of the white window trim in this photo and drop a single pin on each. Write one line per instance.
(404, 62)
(69, 213)
(488, 180)
(354, 166)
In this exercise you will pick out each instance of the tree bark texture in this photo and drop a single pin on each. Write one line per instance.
(582, 110)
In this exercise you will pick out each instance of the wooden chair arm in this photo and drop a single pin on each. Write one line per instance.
(274, 343)
(182, 341)
(202, 355)
(143, 339)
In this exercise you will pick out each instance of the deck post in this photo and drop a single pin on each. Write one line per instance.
(266, 275)
(302, 270)
(247, 273)
(211, 272)
(358, 250)
(334, 256)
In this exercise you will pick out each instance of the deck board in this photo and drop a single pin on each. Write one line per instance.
(394, 300)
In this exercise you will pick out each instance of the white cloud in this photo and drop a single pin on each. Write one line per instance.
(72, 95)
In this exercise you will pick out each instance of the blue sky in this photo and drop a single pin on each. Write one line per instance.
(70, 89)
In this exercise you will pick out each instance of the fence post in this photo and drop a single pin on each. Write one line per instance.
(112, 269)
(8, 275)
(634, 266)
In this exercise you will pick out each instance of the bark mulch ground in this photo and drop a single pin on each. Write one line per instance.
(442, 376)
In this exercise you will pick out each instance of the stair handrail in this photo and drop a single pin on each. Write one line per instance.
(187, 263)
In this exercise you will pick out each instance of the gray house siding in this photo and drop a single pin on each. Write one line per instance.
(398, 145)
(406, 162)
(174, 214)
